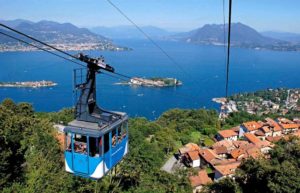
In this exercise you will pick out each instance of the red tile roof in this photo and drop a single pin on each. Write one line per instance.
(189, 147)
(194, 155)
(227, 169)
(273, 139)
(237, 153)
(259, 133)
(290, 126)
(227, 133)
(274, 124)
(240, 143)
(252, 125)
(220, 150)
(254, 152)
(226, 143)
(208, 155)
(252, 138)
(265, 129)
(201, 179)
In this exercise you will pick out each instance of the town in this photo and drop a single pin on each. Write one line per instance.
(64, 46)
(253, 139)
(276, 101)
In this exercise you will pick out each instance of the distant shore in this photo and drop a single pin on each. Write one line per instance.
(64, 47)
(28, 84)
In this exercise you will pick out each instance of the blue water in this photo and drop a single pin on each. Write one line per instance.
(201, 68)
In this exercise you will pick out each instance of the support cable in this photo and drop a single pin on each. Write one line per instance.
(228, 47)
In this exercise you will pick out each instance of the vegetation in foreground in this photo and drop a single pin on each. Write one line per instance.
(31, 159)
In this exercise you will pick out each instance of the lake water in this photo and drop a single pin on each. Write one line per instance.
(200, 68)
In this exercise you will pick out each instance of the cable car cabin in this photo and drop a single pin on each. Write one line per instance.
(91, 151)
(97, 139)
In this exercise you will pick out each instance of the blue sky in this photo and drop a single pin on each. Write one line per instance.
(174, 15)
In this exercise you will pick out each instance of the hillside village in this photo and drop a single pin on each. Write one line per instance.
(253, 139)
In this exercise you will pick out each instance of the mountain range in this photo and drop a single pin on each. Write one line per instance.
(65, 36)
(241, 36)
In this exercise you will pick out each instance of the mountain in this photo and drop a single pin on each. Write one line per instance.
(15, 23)
(65, 36)
(241, 36)
(130, 32)
(53, 32)
(286, 36)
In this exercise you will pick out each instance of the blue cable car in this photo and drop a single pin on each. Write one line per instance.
(97, 139)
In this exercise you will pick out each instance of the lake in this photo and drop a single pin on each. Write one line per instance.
(200, 68)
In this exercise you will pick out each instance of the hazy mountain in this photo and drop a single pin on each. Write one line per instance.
(286, 36)
(241, 36)
(16, 22)
(130, 32)
(214, 34)
(53, 32)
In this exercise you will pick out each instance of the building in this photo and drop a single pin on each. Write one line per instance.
(251, 127)
(199, 180)
(188, 147)
(226, 170)
(193, 159)
(227, 135)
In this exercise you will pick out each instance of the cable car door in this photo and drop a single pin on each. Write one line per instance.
(107, 152)
(80, 154)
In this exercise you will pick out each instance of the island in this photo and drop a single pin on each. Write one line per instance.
(28, 84)
(152, 82)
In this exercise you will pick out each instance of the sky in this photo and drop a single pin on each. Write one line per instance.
(173, 15)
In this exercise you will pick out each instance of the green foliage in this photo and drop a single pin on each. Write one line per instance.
(31, 159)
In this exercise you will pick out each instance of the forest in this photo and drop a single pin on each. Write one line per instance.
(31, 158)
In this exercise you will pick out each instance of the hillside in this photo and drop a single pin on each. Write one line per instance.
(57, 33)
(241, 36)
(31, 156)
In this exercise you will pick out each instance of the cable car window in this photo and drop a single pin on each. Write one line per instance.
(80, 144)
(114, 137)
(124, 130)
(100, 144)
(120, 133)
(68, 141)
(106, 142)
(94, 147)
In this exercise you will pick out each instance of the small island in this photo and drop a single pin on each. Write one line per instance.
(28, 84)
(152, 82)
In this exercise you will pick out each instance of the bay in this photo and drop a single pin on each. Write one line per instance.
(200, 68)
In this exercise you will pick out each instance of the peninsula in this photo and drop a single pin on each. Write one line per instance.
(152, 82)
(29, 84)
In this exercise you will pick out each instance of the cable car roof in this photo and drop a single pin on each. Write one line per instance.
(95, 129)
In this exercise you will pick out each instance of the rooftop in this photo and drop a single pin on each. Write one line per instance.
(194, 155)
(227, 133)
(227, 169)
(201, 179)
(252, 138)
(252, 125)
